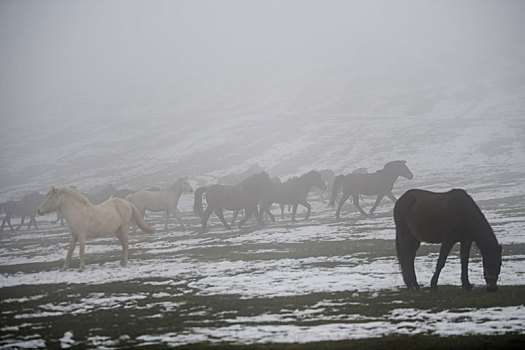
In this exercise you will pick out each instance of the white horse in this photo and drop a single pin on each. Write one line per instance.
(85, 219)
(165, 200)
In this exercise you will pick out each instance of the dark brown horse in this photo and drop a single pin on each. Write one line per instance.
(246, 195)
(446, 218)
(25, 207)
(293, 192)
(379, 183)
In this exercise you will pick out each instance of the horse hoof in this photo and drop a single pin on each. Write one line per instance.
(80, 269)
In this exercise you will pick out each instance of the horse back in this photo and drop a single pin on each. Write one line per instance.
(110, 215)
(436, 217)
(289, 193)
(229, 197)
(368, 184)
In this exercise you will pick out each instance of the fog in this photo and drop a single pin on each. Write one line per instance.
(85, 83)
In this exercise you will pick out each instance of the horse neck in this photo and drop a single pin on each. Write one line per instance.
(175, 191)
(389, 177)
(70, 206)
(484, 238)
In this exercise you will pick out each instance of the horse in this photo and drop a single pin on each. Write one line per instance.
(85, 219)
(379, 183)
(25, 207)
(246, 195)
(165, 200)
(446, 218)
(293, 192)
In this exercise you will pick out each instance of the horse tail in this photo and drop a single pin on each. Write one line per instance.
(406, 243)
(137, 217)
(338, 182)
(197, 203)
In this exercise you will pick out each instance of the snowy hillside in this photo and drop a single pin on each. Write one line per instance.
(463, 129)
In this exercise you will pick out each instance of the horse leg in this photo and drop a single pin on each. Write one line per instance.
(341, 203)
(220, 214)
(70, 250)
(356, 203)
(266, 209)
(308, 209)
(259, 216)
(167, 217)
(390, 195)
(19, 226)
(443, 254)
(294, 211)
(465, 252)
(204, 219)
(235, 215)
(178, 215)
(378, 200)
(82, 247)
(406, 248)
(282, 211)
(33, 220)
(3, 224)
(247, 214)
(122, 235)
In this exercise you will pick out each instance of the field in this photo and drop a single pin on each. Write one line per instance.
(317, 283)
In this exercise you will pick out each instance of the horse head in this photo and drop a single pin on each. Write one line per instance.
(399, 168)
(51, 203)
(184, 185)
(492, 267)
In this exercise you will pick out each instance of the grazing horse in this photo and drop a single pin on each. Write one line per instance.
(165, 200)
(246, 195)
(293, 192)
(379, 183)
(26, 207)
(446, 218)
(85, 219)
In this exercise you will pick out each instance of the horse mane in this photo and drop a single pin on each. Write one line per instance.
(72, 193)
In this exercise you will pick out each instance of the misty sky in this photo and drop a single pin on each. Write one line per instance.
(63, 53)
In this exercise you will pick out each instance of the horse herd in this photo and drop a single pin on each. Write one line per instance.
(419, 216)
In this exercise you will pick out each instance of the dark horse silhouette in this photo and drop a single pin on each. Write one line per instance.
(246, 195)
(379, 183)
(446, 218)
(26, 207)
(293, 192)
